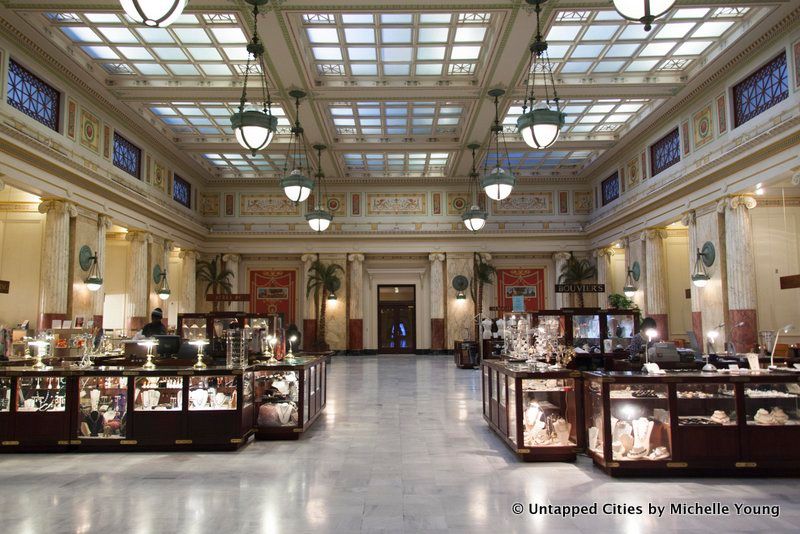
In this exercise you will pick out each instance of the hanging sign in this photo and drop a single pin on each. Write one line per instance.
(5, 285)
(580, 288)
(228, 297)
(787, 282)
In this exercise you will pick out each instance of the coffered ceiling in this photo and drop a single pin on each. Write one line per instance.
(397, 90)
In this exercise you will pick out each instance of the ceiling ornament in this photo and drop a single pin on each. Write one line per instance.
(255, 128)
(541, 125)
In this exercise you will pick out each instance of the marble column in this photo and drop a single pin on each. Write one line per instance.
(603, 258)
(189, 297)
(656, 279)
(103, 226)
(139, 276)
(355, 323)
(437, 301)
(336, 310)
(562, 299)
(741, 271)
(54, 278)
(460, 313)
(231, 263)
(310, 308)
(689, 220)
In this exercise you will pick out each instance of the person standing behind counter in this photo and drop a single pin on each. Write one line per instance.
(155, 327)
(639, 342)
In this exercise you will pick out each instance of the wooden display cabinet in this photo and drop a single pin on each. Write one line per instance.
(702, 423)
(289, 396)
(465, 354)
(538, 414)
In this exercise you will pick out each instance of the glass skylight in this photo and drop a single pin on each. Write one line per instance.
(196, 45)
(389, 45)
(206, 119)
(396, 164)
(585, 42)
(543, 162)
(399, 119)
(234, 164)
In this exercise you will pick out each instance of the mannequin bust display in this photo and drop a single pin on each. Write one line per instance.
(487, 328)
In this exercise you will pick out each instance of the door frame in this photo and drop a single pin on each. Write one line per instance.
(399, 304)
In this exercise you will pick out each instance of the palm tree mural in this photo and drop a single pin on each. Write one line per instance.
(322, 281)
(577, 271)
(216, 277)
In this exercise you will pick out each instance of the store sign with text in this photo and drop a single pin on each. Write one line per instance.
(580, 288)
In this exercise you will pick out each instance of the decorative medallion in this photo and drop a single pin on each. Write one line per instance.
(703, 130)
(90, 131)
(632, 174)
(457, 202)
(160, 176)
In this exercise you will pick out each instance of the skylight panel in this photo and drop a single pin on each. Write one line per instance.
(170, 53)
(622, 50)
(150, 69)
(431, 53)
(397, 69)
(394, 18)
(557, 51)
(675, 30)
(692, 48)
(434, 35)
(396, 35)
(362, 53)
(154, 35)
(327, 53)
(691, 13)
(470, 34)
(588, 51)
(215, 69)
(659, 49)
(641, 65)
(81, 34)
(102, 18)
(599, 32)
(435, 18)
(235, 53)
(323, 35)
(358, 35)
(563, 33)
(357, 18)
(100, 52)
(629, 108)
(576, 67)
(465, 52)
(609, 66)
(712, 29)
(192, 35)
(601, 108)
(609, 14)
(364, 69)
(229, 35)
(396, 54)
(118, 35)
(635, 32)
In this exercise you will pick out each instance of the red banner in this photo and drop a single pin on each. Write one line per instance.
(528, 283)
(274, 292)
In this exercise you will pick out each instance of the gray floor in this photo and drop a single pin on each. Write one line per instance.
(402, 447)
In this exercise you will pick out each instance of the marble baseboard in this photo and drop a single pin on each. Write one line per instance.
(437, 334)
(745, 337)
(355, 334)
(697, 327)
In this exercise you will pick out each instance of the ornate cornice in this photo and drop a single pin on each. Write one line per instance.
(355, 258)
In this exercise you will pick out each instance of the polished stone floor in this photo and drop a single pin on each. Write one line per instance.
(402, 447)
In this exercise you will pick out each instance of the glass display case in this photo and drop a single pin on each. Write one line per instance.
(41, 394)
(517, 333)
(772, 404)
(213, 392)
(620, 328)
(102, 407)
(640, 422)
(586, 332)
(706, 404)
(595, 418)
(5, 394)
(278, 395)
(158, 393)
(538, 414)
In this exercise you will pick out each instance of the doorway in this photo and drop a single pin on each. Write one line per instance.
(397, 310)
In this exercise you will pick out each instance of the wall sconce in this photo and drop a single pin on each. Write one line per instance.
(160, 278)
(461, 296)
(331, 296)
(634, 273)
(88, 262)
(705, 258)
(460, 283)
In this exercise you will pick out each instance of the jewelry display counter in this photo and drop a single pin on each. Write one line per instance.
(289, 396)
(693, 422)
(167, 408)
(537, 413)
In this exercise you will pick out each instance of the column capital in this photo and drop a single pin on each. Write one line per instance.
(436, 256)
(186, 254)
(139, 236)
(795, 179)
(561, 256)
(604, 251)
(485, 256)
(689, 218)
(355, 257)
(734, 202)
(58, 206)
(104, 222)
(653, 233)
(168, 245)
(233, 258)
(308, 258)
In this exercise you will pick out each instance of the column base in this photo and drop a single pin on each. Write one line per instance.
(745, 337)
(662, 320)
(46, 320)
(437, 334)
(355, 334)
(137, 323)
(309, 334)
(697, 328)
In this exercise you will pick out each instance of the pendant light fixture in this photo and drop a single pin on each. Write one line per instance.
(255, 128)
(541, 125)
(474, 218)
(644, 11)
(154, 13)
(497, 183)
(163, 288)
(318, 218)
(296, 185)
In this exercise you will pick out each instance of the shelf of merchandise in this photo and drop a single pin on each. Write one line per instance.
(223, 417)
(512, 391)
(287, 414)
(702, 423)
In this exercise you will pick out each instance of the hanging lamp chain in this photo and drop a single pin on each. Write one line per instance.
(255, 50)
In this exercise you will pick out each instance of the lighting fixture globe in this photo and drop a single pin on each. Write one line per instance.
(630, 291)
(319, 220)
(540, 126)
(163, 294)
(498, 184)
(254, 129)
(297, 186)
(644, 11)
(331, 296)
(154, 13)
(700, 280)
(474, 218)
(93, 283)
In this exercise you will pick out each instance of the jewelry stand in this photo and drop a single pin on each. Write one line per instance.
(271, 342)
(149, 343)
(200, 344)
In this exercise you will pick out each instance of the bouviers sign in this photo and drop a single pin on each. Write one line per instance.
(580, 288)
